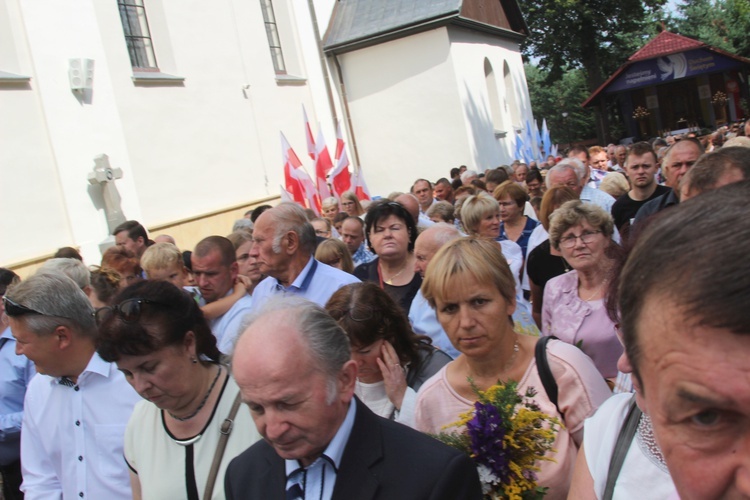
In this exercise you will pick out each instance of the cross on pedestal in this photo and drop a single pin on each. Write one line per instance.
(104, 175)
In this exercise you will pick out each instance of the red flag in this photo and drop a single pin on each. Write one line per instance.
(291, 163)
(309, 135)
(323, 165)
(360, 187)
(340, 177)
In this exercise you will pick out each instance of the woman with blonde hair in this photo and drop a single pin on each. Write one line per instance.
(351, 205)
(336, 254)
(480, 215)
(470, 286)
(329, 207)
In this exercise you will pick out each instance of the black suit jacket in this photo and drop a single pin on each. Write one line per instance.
(381, 460)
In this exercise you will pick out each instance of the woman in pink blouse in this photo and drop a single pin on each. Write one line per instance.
(574, 310)
(471, 287)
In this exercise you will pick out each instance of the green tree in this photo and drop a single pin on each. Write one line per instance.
(566, 95)
(594, 35)
(721, 23)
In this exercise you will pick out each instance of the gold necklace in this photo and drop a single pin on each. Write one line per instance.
(389, 281)
(509, 363)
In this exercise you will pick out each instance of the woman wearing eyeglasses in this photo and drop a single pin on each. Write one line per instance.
(574, 310)
(392, 361)
(160, 340)
(351, 206)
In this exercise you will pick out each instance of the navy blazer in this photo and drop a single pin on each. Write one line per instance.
(381, 460)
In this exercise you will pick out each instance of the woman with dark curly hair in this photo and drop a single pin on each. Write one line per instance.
(160, 340)
(392, 361)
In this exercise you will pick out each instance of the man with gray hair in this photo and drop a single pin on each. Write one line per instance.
(421, 316)
(294, 369)
(284, 242)
(572, 173)
(77, 405)
(73, 269)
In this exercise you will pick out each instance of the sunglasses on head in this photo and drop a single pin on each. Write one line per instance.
(13, 308)
(128, 310)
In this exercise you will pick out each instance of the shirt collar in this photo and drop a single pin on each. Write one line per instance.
(304, 278)
(335, 449)
(7, 334)
(96, 365)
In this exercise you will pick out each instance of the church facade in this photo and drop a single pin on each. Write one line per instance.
(186, 99)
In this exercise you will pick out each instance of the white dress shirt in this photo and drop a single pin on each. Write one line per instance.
(72, 439)
(316, 283)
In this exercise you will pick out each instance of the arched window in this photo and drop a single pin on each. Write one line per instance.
(511, 103)
(493, 96)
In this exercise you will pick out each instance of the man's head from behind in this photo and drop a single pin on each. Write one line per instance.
(714, 170)
(293, 367)
(49, 317)
(281, 235)
(132, 236)
(683, 294)
(214, 267)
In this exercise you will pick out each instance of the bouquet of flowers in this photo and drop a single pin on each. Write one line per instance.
(505, 435)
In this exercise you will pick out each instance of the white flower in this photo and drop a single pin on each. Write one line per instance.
(487, 478)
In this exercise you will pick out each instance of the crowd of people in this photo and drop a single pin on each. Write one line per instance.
(313, 355)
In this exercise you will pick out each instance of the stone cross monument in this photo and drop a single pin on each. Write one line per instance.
(104, 175)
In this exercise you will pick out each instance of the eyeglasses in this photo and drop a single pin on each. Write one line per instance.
(128, 310)
(586, 237)
(13, 308)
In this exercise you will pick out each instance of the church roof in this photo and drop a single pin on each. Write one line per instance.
(359, 23)
(664, 44)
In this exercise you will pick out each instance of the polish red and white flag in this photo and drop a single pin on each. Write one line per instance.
(298, 181)
(323, 165)
(340, 177)
(360, 187)
(308, 135)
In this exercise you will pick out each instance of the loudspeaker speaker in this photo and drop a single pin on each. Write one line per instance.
(81, 74)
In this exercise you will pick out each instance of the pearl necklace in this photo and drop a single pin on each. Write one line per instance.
(203, 403)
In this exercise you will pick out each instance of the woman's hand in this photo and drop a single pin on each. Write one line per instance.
(394, 375)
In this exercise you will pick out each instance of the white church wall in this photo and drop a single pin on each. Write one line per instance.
(469, 50)
(185, 149)
(406, 111)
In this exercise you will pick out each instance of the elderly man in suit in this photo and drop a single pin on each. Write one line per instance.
(294, 370)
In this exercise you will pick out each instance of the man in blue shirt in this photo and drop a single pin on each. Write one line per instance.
(284, 245)
(15, 373)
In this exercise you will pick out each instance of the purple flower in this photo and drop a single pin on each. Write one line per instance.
(486, 431)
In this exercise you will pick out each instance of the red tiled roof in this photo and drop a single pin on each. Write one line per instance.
(664, 44)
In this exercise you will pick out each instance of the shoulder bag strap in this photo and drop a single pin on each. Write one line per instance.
(226, 430)
(545, 372)
(622, 445)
